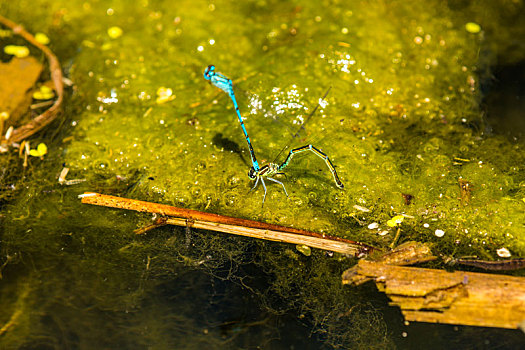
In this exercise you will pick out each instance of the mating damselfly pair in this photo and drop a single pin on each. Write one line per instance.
(257, 172)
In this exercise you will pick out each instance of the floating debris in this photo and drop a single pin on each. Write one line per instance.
(62, 178)
(395, 221)
(3, 117)
(42, 38)
(465, 191)
(40, 150)
(31, 67)
(360, 208)
(164, 95)
(84, 195)
(8, 133)
(503, 252)
(373, 225)
(439, 233)
(460, 161)
(16, 50)
(25, 149)
(418, 40)
(472, 27)
(45, 93)
(115, 32)
(304, 249)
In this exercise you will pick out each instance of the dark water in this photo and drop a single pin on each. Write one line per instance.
(505, 101)
(404, 105)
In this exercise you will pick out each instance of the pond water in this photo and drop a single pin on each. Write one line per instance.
(403, 116)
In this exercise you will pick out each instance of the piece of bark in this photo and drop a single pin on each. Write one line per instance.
(437, 296)
(408, 253)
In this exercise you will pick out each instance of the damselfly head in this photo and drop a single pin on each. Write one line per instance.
(208, 72)
(252, 174)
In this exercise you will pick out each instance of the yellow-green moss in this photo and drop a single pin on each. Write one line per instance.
(403, 118)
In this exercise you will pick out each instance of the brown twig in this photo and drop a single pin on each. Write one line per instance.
(326, 243)
(158, 223)
(232, 225)
(50, 114)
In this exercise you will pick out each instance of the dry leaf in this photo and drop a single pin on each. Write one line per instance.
(17, 78)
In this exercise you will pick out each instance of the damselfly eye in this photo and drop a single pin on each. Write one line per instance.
(251, 174)
(208, 71)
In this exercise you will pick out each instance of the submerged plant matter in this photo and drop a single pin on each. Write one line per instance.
(402, 123)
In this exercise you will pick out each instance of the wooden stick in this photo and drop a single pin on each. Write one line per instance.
(231, 225)
(50, 114)
(159, 222)
(270, 235)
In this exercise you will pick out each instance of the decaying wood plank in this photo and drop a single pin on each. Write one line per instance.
(466, 298)
(408, 253)
(227, 224)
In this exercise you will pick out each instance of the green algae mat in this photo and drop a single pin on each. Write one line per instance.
(404, 125)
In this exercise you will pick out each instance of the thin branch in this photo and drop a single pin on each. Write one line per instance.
(221, 223)
(271, 235)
